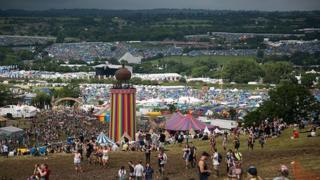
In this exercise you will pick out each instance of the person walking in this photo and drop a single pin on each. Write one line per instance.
(225, 141)
(5, 150)
(216, 159)
(147, 152)
(236, 142)
(262, 140)
(203, 169)
(148, 172)
(193, 157)
(77, 161)
(229, 160)
(122, 173)
(250, 141)
(162, 160)
(213, 142)
(131, 170)
(138, 171)
(186, 155)
(105, 156)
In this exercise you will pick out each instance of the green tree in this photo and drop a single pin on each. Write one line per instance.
(242, 71)
(41, 100)
(274, 72)
(260, 55)
(288, 101)
(308, 80)
(233, 113)
(71, 90)
(200, 71)
(25, 55)
(6, 95)
(183, 80)
(60, 38)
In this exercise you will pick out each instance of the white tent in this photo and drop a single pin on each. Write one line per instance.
(224, 124)
(217, 131)
(209, 113)
(189, 100)
(206, 130)
(130, 58)
(102, 139)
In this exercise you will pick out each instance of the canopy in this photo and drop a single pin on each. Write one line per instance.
(11, 131)
(179, 122)
(102, 139)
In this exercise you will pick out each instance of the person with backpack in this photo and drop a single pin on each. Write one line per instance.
(229, 160)
(216, 160)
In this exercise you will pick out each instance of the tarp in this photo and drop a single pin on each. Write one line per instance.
(179, 122)
(104, 140)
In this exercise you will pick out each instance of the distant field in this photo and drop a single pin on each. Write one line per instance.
(220, 60)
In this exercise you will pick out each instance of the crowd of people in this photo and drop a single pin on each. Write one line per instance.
(54, 125)
(233, 158)
(57, 131)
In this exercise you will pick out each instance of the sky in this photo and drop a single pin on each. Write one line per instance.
(264, 5)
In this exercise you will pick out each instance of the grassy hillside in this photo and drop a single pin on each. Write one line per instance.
(220, 60)
(283, 150)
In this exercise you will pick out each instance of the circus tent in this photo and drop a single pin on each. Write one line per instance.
(179, 122)
(102, 139)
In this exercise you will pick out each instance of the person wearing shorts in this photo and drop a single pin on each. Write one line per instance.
(77, 161)
(105, 156)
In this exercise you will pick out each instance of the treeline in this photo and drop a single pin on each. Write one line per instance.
(161, 24)
(269, 69)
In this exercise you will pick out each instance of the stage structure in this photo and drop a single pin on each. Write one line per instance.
(123, 106)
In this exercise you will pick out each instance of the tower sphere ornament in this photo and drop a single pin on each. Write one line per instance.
(123, 74)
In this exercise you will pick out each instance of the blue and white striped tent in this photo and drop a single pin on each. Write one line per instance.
(102, 139)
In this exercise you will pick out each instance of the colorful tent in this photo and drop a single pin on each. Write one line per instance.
(103, 115)
(102, 139)
(179, 122)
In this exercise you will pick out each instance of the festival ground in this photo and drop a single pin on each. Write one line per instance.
(304, 151)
